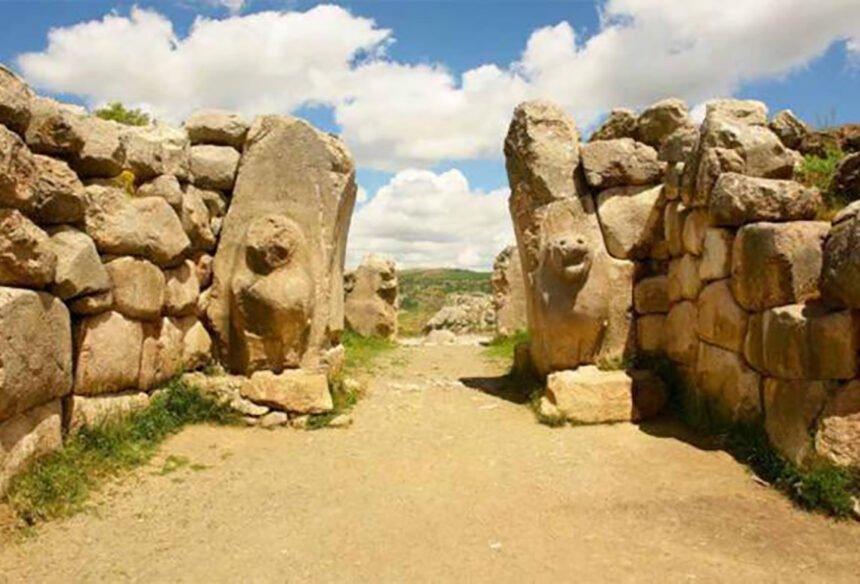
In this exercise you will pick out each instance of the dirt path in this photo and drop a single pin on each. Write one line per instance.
(439, 481)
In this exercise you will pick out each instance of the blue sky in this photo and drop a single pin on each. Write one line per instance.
(422, 90)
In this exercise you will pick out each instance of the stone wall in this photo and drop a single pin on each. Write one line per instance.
(731, 274)
(130, 254)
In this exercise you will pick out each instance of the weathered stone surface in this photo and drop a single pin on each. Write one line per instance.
(651, 295)
(145, 227)
(15, 99)
(696, 224)
(334, 362)
(203, 267)
(440, 337)
(683, 280)
(803, 342)
(53, 128)
(277, 297)
(79, 270)
(621, 162)
(791, 410)
(509, 294)
(156, 149)
(35, 350)
(274, 419)
(26, 256)
(161, 354)
(181, 289)
(102, 154)
(716, 261)
(838, 436)
(659, 121)
(588, 395)
(712, 164)
(840, 270)
(371, 298)
(673, 227)
(165, 186)
(107, 354)
(682, 344)
(846, 178)
(137, 286)
(743, 111)
(728, 383)
(196, 343)
(672, 180)
(777, 263)
(680, 144)
(790, 130)
(28, 435)
(464, 313)
(565, 262)
(632, 220)
(621, 123)
(651, 333)
(214, 167)
(738, 199)
(212, 126)
(196, 220)
(91, 303)
(721, 321)
(297, 391)
(95, 410)
(225, 389)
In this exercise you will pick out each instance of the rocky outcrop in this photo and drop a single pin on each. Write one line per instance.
(509, 294)
(371, 298)
(464, 313)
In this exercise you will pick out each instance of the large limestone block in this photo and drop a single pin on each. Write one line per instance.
(297, 391)
(789, 128)
(53, 128)
(277, 295)
(621, 162)
(683, 280)
(838, 435)
(738, 199)
(195, 218)
(26, 256)
(651, 295)
(566, 266)
(673, 180)
(657, 122)
(651, 333)
(15, 98)
(95, 410)
(840, 271)
(196, 343)
(680, 144)
(588, 395)
(464, 313)
(696, 223)
(632, 220)
(107, 354)
(79, 270)
(145, 227)
(213, 126)
(137, 286)
(728, 383)
(28, 436)
(791, 410)
(705, 168)
(621, 123)
(161, 354)
(214, 167)
(716, 261)
(102, 154)
(165, 186)
(181, 289)
(777, 263)
(674, 218)
(846, 177)
(682, 344)
(35, 350)
(91, 304)
(803, 342)
(509, 293)
(721, 321)
(156, 149)
(371, 298)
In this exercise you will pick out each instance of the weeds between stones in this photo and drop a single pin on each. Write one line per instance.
(58, 484)
(501, 348)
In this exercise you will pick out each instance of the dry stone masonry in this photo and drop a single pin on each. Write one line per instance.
(697, 242)
(131, 254)
(371, 298)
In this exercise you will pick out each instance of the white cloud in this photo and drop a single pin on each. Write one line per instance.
(423, 219)
(233, 6)
(398, 115)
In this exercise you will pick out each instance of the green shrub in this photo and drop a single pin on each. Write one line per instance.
(819, 172)
(502, 346)
(58, 484)
(117, 112)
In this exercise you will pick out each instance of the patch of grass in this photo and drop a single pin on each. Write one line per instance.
(344, 399)
(58, 484)
(361, 352)
(117, 112)
(819, 172)
(501, 348)
(423, 293)
(824, 487)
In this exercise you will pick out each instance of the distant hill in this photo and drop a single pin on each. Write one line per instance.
(423, 292)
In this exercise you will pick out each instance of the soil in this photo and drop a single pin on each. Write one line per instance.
(443, 477)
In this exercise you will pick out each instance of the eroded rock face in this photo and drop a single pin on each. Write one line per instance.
(371, 298)
(15, 99)
(79, 270)
(27, 436)
(838, 436)
(738, 199)
(632, 220)
(621, 123)
(729, 383)
(790, 129)
(840, 271)
(300, 392)
(791, 410)
(621, 162)
(659, 121)
(277, 295)
(212, 126)
(156, 149)
(26, 256)
(107, 353)
(464, 313)
(214, 167)
(509, 295)
(572, 317)
(137, 287)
